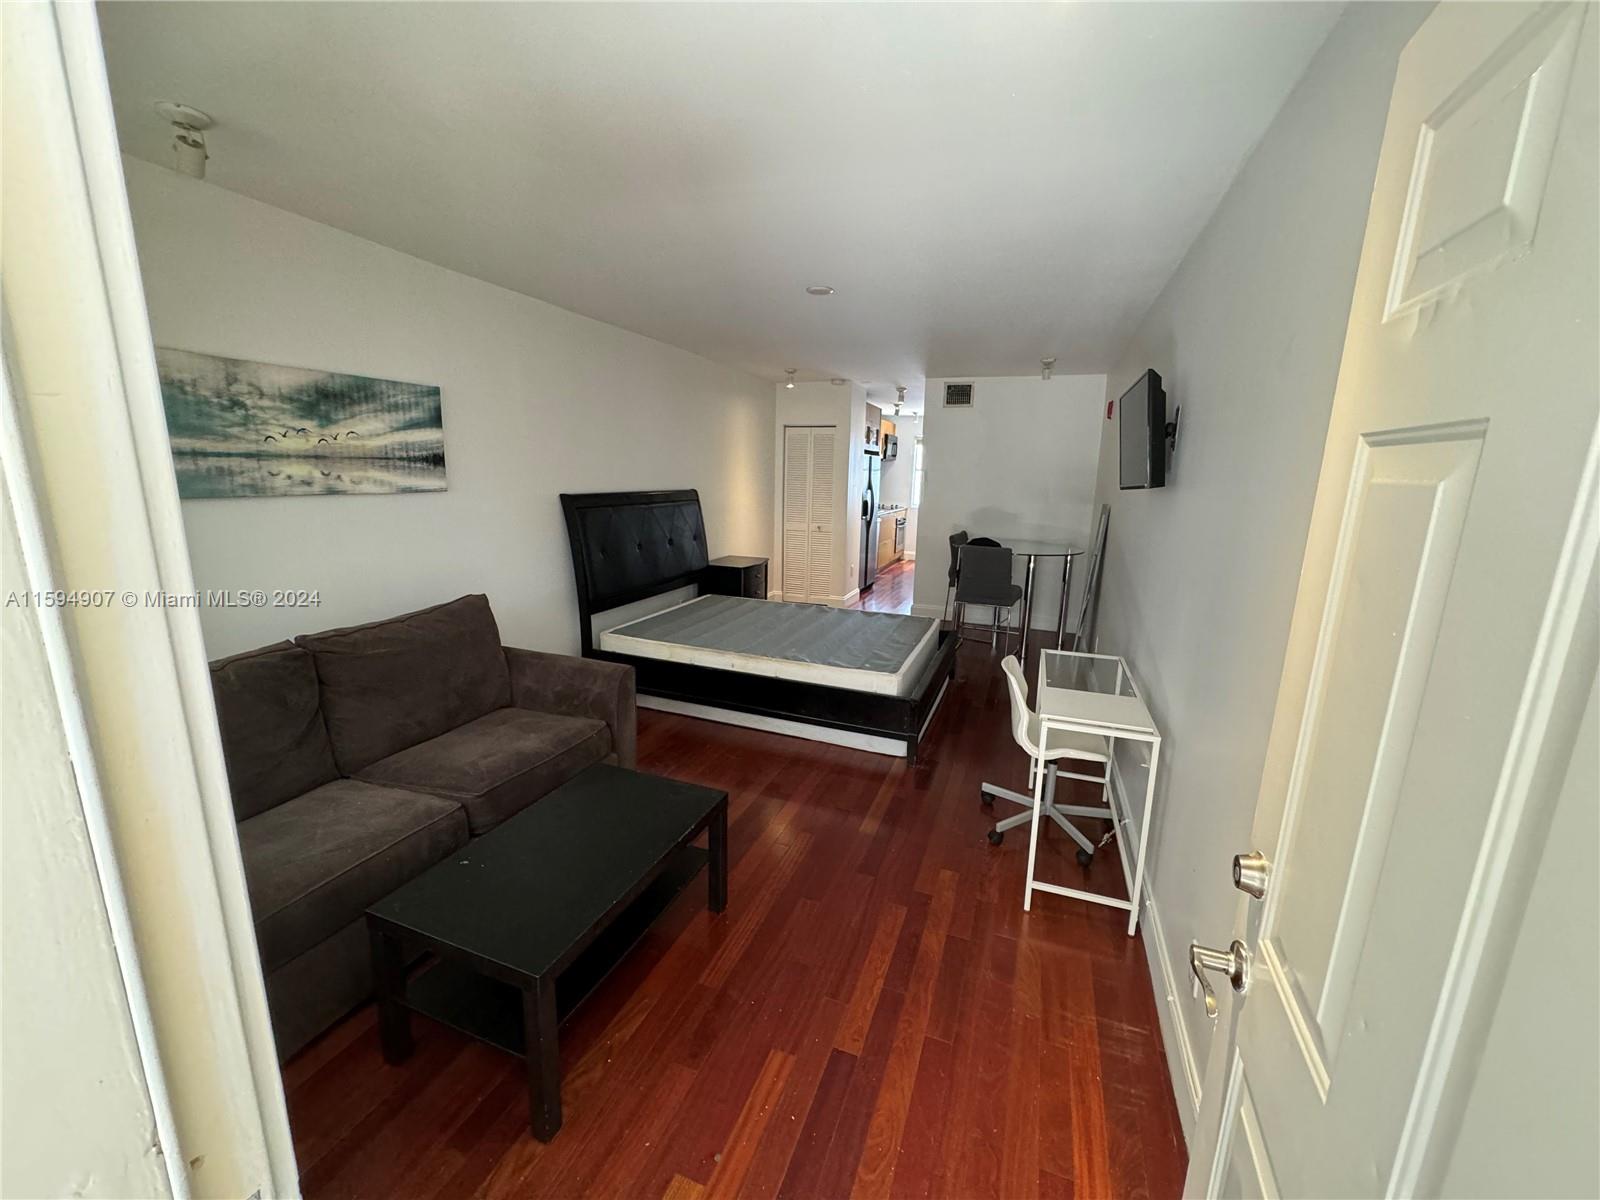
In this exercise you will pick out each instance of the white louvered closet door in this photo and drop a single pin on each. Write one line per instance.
(796, 510)
(824, 516)
(809, 511)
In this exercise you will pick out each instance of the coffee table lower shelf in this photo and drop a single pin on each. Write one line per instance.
(513, 991)
(491, 1011)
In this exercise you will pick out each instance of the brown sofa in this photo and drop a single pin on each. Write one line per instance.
(360, 757)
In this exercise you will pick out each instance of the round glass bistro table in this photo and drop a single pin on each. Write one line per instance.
(1033, 550)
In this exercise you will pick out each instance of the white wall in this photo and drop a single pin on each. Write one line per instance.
(1020, 462)
(844, 407)
(537, 401)
(1200, 577)
(897, 470)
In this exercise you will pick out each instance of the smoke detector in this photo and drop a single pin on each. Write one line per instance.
(188, 136)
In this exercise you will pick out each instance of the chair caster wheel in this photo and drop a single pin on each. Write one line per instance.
(996, 837)
(985, 799)
(1085, 858)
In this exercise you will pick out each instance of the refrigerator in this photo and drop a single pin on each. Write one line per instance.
(870, 518)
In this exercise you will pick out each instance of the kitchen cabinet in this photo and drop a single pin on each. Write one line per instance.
(886, 554)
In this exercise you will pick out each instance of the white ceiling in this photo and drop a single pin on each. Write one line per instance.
(984, 185)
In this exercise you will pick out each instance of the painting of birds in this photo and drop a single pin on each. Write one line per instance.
(242, 428)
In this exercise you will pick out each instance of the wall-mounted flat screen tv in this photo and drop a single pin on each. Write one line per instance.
(1142, 433)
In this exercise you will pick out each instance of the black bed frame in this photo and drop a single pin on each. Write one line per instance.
(630, 546)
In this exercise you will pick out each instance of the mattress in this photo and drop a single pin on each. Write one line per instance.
(882, 653)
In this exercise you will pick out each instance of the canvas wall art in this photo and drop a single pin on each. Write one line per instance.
(255, 429)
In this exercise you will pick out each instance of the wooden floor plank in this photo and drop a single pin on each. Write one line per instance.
(822, 1121)
(874, 1012)
(683, 1189)
(875, 1171)
(1091, 1152)
(869, 983)
(916, 1172)
(734, 1162)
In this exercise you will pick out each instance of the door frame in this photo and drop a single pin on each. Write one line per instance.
(89, 435)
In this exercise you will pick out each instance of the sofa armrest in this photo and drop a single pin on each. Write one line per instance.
(578, 687)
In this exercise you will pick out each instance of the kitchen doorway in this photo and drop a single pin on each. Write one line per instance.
(898, 498)
(891, 591)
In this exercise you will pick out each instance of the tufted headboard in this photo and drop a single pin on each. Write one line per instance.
(629, 546)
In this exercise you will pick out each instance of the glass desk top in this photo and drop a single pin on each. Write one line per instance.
(1091, 689)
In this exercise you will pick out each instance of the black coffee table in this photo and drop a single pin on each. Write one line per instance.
(525, 921)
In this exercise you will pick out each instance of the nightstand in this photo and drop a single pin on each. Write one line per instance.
(736, 575)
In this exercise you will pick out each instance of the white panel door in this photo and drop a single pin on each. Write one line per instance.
(1443, 637)
(810, 511)
(796, 511)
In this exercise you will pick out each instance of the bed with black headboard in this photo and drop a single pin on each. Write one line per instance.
(871, 680)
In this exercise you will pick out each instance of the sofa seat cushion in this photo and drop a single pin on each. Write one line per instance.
(313, 864)
(499, 764)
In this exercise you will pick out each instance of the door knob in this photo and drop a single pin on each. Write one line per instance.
(1250, 872)
(1234, 962)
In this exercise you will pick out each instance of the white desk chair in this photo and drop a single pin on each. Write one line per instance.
(1042, 772)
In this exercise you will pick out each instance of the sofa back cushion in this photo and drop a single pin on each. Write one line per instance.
(273, 736)
(391, 684)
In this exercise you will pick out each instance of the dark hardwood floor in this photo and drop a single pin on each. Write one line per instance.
(890, 591)
(874, 1015)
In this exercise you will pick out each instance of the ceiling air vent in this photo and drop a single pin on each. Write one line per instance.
(958, 395)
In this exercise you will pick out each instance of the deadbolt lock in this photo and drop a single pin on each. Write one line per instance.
(1250, 873)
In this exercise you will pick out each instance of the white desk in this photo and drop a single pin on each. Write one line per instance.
(1096, 693)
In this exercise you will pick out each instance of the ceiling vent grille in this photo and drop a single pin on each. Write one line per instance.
(958, 395)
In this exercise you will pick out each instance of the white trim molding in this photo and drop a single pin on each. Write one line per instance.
(93, 431)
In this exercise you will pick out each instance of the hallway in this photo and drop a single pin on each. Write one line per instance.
(891, 591)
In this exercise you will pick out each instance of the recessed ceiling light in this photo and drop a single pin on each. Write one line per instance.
(838, 382)
(819, 289)
(789, 371)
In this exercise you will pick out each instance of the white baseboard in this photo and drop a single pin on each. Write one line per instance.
(936, 611)
(911, 556)
(1171, 995)
(848, 599)
(775, 594)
